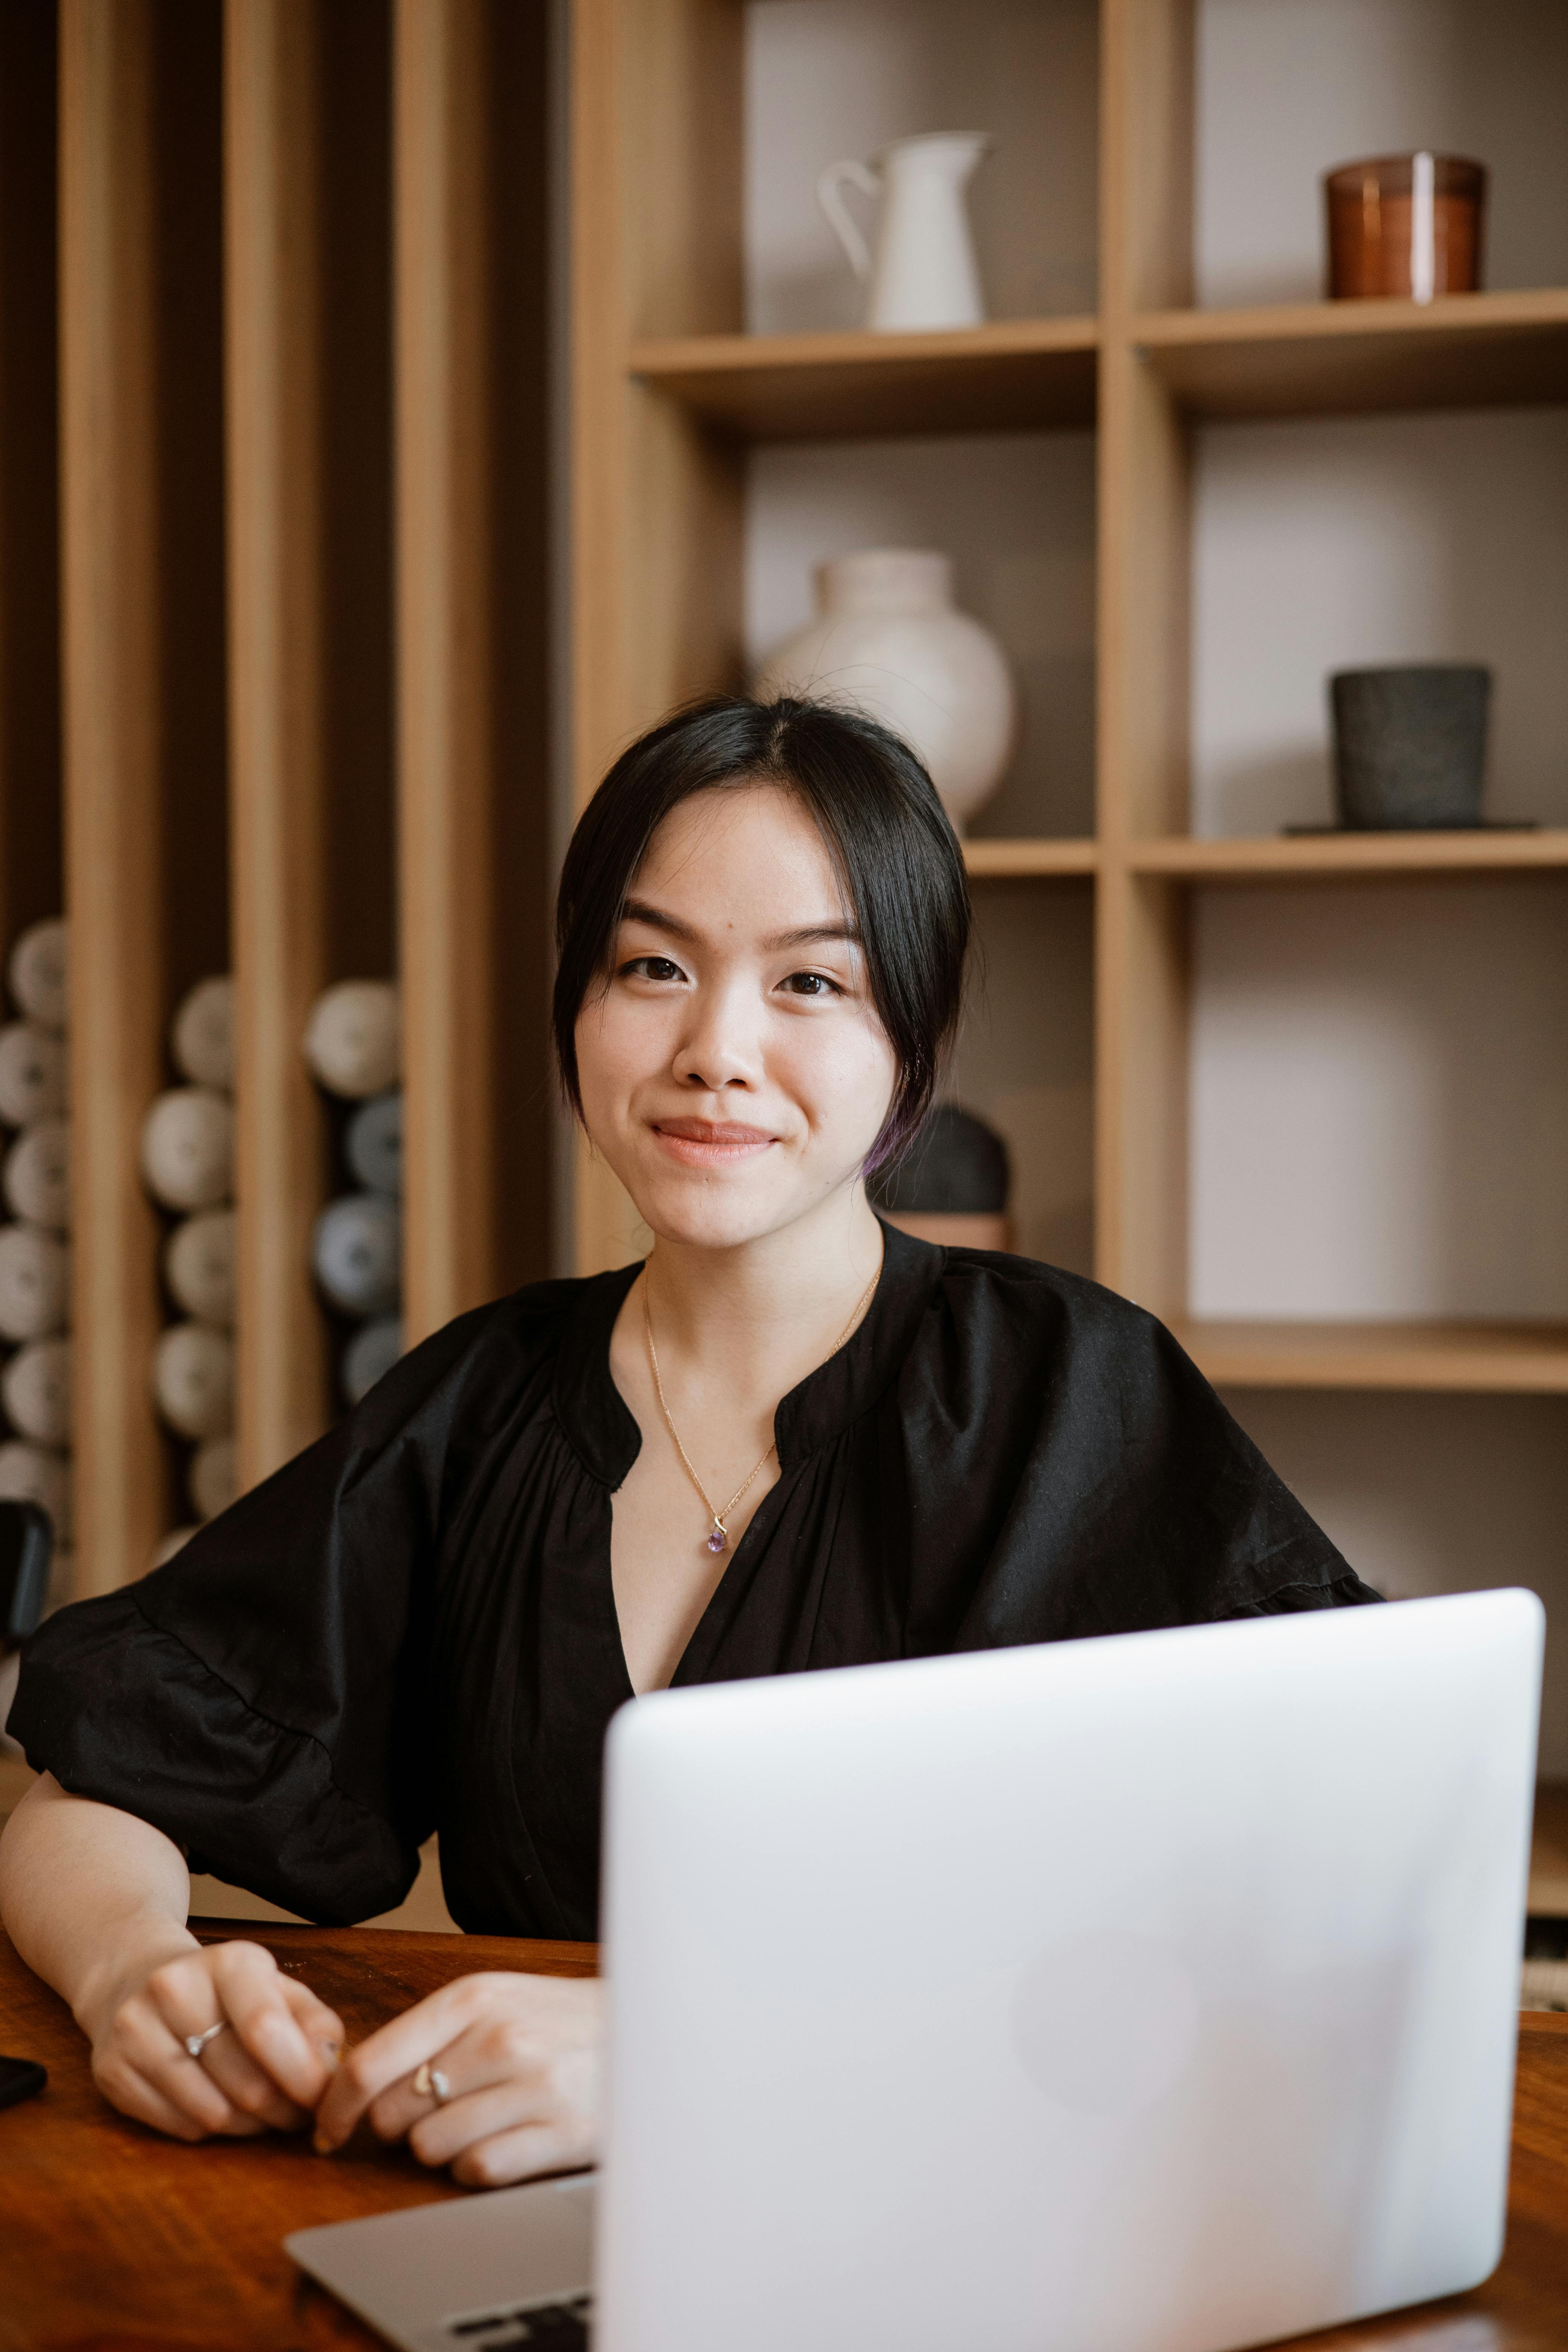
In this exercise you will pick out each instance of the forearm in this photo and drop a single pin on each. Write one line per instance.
(90, 1896)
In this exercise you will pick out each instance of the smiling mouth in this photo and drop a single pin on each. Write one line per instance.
(711, 1143)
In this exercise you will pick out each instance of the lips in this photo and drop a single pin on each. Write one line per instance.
(711, 1143)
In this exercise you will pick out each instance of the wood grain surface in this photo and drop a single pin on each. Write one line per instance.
(116, 2241)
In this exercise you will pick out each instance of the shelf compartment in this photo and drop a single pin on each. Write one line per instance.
(1343, 856)
(1347, 359)
(1023, 860)
(1457, 1356)
(1017, 375)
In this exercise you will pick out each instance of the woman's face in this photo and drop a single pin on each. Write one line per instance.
(734, 1071)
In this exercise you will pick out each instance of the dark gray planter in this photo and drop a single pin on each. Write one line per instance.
(1410, 745)
(956, 1166)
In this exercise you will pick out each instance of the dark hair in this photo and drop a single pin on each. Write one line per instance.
(887, 834)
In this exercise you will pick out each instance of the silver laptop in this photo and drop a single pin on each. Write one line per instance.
(1153, 1994)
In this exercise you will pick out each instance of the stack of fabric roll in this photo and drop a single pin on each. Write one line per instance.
(352, 1045)
(187, 1162)
(35, 1241)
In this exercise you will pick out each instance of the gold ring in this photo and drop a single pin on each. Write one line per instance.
(431, 2084)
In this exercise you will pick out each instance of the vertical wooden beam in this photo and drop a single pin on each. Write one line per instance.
(1143, 654)
(445, 653)
(143, 660)
(31, 883)
(113, 725)
(657, 505)
(279, 780)
(472, 629)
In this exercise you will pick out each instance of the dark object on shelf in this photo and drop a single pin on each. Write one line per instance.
(26, 1540)
(956, 1166)
(1406, 225)
(1410, 745)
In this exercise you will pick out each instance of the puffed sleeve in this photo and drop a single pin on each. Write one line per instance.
(262, 1700)
(1119, 1494)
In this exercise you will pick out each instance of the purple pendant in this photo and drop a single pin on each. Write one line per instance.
(718, 1539)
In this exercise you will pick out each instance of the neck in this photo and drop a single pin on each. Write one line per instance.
(747, 1310)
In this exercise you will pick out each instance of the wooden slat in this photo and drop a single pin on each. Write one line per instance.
(279, 775)
(656, 499)
(31, 882)
(113, 826)
(1343, 855)
(444, 622)
(469, 158)
(1142, 981)
(1316, 359)
(307, 223)
(1017, 375)
(144, 685)
(1523, 1358)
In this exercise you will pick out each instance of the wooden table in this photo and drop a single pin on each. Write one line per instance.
(113, 2240)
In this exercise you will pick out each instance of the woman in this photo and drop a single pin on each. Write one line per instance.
(792, 1438)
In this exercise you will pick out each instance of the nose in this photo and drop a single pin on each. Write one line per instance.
(718, 1047)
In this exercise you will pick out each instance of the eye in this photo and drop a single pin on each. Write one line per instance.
(651, 967)
(812, 984)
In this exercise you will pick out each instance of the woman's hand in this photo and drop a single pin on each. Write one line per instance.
(519, 2059)
(265, 2072)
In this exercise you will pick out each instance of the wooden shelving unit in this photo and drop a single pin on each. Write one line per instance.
(297, 282)
(669, 394)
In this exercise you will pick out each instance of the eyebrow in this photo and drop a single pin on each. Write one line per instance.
(639, 910)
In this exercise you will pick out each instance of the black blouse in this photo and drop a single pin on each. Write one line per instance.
(412, 1626)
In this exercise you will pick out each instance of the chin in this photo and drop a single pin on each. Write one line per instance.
(705, 1212)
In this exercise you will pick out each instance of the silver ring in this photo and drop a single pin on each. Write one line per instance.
(196, 2042)
(431, 2084)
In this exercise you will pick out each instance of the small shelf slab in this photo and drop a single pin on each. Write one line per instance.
(1520, 1357)
(1340, 856)
(1346, 359)
(1017, 375)
(1003, 860)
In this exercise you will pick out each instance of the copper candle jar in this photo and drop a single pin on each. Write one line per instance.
(1406, 225)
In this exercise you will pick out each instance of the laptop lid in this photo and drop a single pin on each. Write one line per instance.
(1150, 1994)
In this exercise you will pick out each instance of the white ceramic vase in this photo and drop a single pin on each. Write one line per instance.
(890, 640)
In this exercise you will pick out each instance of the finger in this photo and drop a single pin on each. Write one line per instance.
(521, 2155)
(230, 2064)
(443, 2133)
(252, 1993)
(322, 2026)
(421, 2032)
(483, 2055)
(135, 2096)
(143, 2044)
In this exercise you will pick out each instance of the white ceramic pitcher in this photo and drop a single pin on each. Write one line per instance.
(923, 271)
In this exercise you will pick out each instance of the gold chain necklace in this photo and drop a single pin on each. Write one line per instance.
(719, 1535)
